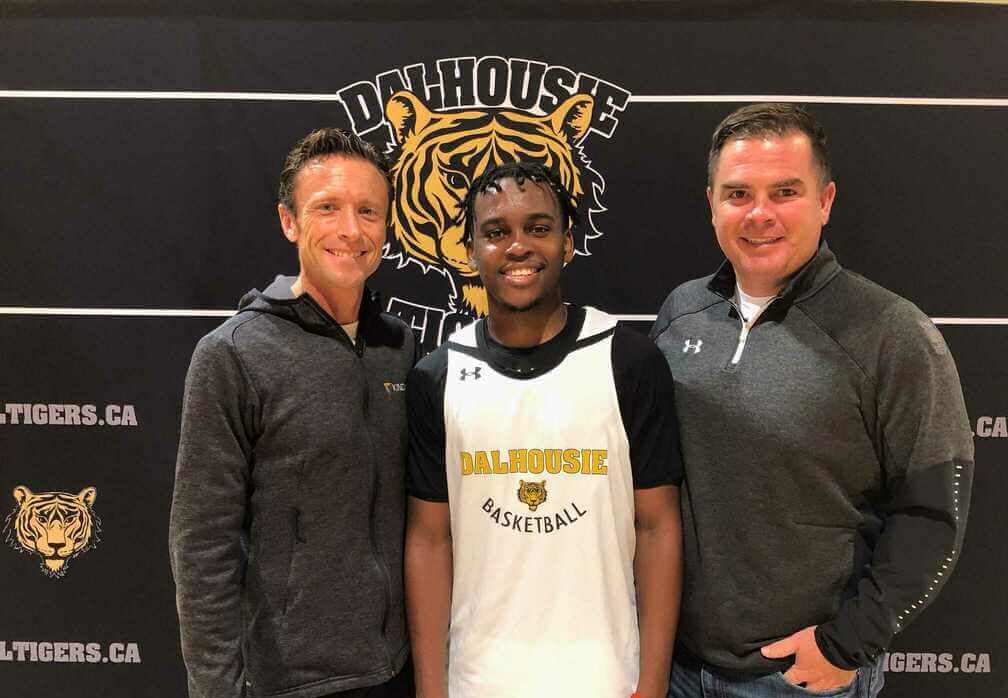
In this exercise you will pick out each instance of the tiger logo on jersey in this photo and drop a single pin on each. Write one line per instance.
(532, 494)
(56, 526)
(440, 153)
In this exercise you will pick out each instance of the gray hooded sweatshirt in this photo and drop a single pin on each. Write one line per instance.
(287, 519)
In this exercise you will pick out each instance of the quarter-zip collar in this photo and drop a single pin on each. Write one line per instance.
(816, 273)
(278, 300)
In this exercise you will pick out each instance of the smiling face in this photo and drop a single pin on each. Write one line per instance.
(338, 224)
(519, 246)
(768, 207)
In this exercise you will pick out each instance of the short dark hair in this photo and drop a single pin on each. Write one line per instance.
(321, 143)
(777, 118)
(519, 172)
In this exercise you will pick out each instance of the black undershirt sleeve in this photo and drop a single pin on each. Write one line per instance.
(646, 394)
(426, 477)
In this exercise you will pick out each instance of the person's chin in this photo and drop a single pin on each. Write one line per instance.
(345, 282)
(516, 305)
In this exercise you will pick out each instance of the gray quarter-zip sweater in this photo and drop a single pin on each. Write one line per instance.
(828, 470)
(287, 519)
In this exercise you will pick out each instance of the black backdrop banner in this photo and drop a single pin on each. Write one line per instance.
(142, 145)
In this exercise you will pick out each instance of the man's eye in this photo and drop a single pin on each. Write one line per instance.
(493, 233)
(787, 192)
(326, 208)
(737, 194)
(368, 211)
(540, 230)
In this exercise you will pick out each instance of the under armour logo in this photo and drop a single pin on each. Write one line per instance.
(475, 374)
(692, 345)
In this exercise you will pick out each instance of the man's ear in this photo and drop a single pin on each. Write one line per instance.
(288, 223)
(471, 254)
(710, 202)
(568, 247)
(826, 198)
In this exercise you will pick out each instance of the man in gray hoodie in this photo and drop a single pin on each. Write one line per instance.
(287, 519)
(827, 450)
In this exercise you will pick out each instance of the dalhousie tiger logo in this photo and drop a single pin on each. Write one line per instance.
(532, 493)
(441, 152)
(56, 526)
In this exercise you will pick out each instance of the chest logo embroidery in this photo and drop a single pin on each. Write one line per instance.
(391, 387)
(474, 374)
(692, 345)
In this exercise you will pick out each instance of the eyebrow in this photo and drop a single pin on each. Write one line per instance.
(788, 182)
(532, 216)
(780, 183)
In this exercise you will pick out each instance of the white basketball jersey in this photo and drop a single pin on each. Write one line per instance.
(541, 496)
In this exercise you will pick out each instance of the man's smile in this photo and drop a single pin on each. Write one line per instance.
(761, 242)
(345, 253)
(521, 275)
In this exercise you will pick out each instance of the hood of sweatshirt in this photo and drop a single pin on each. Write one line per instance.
(278, 300)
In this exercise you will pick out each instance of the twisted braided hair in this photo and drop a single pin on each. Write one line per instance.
(519, 172)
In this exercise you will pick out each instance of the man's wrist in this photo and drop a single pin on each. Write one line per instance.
(647, 688)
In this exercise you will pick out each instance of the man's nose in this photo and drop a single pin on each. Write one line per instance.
(762, 211)
(350, 227)
(518, 246)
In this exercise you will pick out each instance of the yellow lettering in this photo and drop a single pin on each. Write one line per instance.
(498, 467)
(585, 461)
(516, 457)
(535, 460)
(553, 461)
(482, 463)
(598, 466)
(571, 462)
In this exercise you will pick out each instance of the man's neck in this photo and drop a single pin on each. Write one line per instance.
(528, 328)
(343, 305)
(759, 289)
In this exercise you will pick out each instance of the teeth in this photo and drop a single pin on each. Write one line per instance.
(342, 253)
(520, 272)
(761, 242)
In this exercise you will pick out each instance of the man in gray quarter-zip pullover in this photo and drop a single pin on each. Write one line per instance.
(827, 450)
(287, 519)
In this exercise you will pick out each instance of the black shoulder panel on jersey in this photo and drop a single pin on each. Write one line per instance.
(646, 394)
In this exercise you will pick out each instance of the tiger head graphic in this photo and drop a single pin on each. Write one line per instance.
(56, 526)
(532, 493)
(439, 155)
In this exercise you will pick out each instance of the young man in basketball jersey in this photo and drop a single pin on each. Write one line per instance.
(543, 548)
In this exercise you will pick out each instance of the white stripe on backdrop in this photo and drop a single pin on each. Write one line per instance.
(323, 97)
(198, 312)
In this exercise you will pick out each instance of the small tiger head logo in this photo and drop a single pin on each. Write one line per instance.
(56, 526)
(532, 493)
(441, 153)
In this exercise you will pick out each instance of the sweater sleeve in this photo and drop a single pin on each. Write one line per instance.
(209, 509)
(927, 461)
